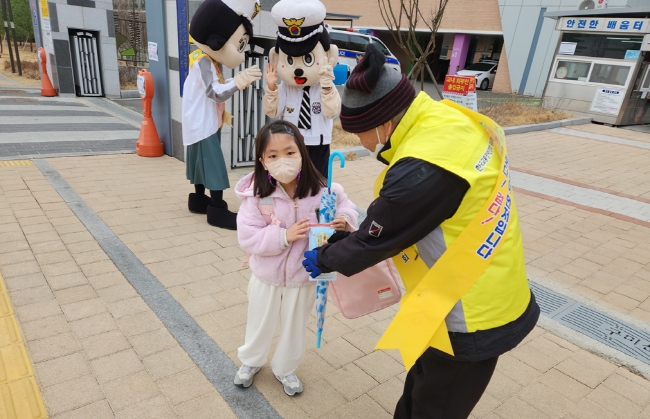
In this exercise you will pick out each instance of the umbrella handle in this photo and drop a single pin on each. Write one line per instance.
(329, 166)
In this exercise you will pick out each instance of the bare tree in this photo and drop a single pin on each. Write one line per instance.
(402, 18)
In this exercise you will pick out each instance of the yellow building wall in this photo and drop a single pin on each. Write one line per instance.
(474, 15)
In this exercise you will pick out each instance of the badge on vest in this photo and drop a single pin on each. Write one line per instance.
(375, 229)
(316, 108)
(290, 110)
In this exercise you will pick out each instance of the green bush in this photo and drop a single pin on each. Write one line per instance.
(22, 20)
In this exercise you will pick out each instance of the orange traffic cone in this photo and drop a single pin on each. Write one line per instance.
(46, 85)
(148, 144)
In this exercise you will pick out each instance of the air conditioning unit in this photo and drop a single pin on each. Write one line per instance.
(586, 5)
(601, 4)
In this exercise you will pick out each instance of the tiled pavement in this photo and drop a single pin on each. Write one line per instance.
(99, 351)
(34, 126)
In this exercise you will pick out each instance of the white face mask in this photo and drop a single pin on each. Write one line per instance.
(378, 147)
(285, 170)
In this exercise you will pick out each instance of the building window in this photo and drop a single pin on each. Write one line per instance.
(572, 70)
(610, 74)
(603, 46)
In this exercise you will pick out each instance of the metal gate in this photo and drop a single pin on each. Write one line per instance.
(248, 111)
(85, 58)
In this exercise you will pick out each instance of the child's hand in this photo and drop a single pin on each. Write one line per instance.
(339, 223)
(298, 230)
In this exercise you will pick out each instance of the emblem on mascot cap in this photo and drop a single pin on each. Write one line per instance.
(294, 25)
(298, 20)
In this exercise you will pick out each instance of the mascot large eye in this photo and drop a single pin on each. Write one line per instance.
(290, 60)
(308, 59)
(242, 44)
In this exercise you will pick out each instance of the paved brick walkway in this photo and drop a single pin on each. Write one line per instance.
(99, 351)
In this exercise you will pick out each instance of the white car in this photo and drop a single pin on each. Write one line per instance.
(352, 47)
(484, 72)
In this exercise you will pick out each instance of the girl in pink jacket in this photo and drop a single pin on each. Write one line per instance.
(287, 188)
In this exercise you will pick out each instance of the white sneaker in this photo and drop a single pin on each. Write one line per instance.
(291, 383)
(244, 377)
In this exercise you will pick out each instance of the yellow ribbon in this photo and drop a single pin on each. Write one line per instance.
(432, 293)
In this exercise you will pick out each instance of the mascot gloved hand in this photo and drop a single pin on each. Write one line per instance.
(221, 30)
(303, 59)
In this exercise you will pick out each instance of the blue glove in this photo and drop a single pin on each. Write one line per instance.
(311, 263)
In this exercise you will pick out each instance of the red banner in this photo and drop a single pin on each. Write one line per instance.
(459, 85)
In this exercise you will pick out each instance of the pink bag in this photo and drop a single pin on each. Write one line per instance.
(377, 287)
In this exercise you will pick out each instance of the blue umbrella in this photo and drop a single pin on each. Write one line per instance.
(327, 215)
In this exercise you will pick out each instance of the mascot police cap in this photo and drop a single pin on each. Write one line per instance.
(300, 26)
(215, 21)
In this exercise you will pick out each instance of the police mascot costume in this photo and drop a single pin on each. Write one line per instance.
(303, 59)
(221, 30)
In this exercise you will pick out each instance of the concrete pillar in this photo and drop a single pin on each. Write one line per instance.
(459, 52)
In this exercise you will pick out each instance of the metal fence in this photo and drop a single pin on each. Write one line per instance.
(131, 32)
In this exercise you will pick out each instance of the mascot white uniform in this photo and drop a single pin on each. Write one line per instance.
(221, 30)
(303, 59)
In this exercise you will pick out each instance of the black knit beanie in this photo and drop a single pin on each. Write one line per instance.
(374, 93)
(214, 23)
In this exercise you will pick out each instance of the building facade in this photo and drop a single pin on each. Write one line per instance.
(79, 37)
(531, 40)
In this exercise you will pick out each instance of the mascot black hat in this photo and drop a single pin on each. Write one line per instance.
(216, 20)
(300, 26)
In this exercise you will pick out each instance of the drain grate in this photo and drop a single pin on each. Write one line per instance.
(599, 326)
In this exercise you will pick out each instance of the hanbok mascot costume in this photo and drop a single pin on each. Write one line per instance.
(303, 59)
(221, 30)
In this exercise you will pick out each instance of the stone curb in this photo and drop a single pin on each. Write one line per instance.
(129, 94)
(361, 151)
(520, 129)
(70, 154)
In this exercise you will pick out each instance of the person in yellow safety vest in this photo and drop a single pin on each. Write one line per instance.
(444, 210)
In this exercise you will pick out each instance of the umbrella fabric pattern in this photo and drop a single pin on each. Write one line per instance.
(327, 215)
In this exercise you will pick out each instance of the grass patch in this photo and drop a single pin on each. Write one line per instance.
(343, 139)
(520, 112)
(506, 112)
(29, 68)
(29, 63)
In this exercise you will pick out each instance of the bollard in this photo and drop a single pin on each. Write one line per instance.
(46, 85)
(148, 144)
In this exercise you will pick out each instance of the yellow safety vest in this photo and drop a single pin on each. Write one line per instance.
(483, 265)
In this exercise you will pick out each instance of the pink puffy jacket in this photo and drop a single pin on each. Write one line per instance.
(272, 262)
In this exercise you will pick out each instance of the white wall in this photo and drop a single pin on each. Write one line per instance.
(519, 21)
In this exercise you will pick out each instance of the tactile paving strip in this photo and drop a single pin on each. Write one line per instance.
(14, 163)
(20, 396)
(597, 325)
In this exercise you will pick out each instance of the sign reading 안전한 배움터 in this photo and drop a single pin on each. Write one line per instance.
(604, 24)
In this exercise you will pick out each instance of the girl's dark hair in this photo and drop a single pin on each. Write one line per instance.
(311, 181)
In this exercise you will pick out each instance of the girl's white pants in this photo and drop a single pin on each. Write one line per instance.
(266, 305)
